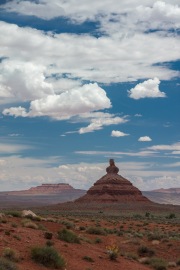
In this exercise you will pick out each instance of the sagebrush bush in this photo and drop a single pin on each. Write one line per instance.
(145, 251)
(96, 230)
(158, 264)
(68, 236)
(14, 213)
(48, 257)
(68, 224)
(7, 265)
(11, 254)
(29, 224)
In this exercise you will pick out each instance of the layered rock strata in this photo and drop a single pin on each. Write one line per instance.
(112, 187)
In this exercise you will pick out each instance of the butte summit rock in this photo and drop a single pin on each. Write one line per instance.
(112, 187)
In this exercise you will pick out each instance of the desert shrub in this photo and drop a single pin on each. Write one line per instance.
(178, 262)
(143, 250)
(7, 265)
(14, 213)
(10, 254)
(29, 224)
(158, 264)
(147, 214)
(48, 257)
(156, 235)
(49, 243)
(113, 251)
(130, 256)
(34, 218)
(14, 225)
(68, 236)
(139, 235)
(137, 216)
(68, 224)
(171, 216)
(95, 230)
(88, 259)
(82, 228)
(98, 240)
(42, 227)
(7, 232)
(3, 220)
(120, 233)
(48, 235)
(17, 237)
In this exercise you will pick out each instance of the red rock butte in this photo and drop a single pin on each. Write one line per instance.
(112, 187)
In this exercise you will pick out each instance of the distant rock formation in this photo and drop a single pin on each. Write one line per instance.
(112, 187)
(44, 189)
(164, 196)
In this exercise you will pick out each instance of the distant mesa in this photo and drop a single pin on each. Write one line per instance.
(45, 189)
(112, 187)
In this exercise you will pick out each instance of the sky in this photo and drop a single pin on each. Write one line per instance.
(82, 82)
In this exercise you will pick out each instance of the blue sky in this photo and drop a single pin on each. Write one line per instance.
(82, 83)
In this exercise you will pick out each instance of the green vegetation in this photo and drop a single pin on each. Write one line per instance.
(29, 224)
(13, 213)
(145, 251)
(10, 254)
(96, 230)
(7, 265)
(98, 240)
(48, 235)
(48, 257)
(158, 263)
(88, 259)
(68, 236)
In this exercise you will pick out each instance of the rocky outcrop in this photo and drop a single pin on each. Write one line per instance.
(112, 187)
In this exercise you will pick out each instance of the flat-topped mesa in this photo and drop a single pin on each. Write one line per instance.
(45, 189)
(112, 187)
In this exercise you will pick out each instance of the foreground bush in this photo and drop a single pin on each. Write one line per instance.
(10, 254)
(7, 265)
(48, 257)
(158, 263)
(68, 236)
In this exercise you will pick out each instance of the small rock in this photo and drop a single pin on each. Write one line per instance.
(172, 264)
(155, 242)
(26, 213)
(2, 215)
(143, 260)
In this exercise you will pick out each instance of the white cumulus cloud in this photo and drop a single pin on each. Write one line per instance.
(147, 89)
(145, 139)
(117, 133)
(89, 97)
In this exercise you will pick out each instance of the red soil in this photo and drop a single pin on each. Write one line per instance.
(74, 253)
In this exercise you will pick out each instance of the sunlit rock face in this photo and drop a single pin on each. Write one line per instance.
(112, 187)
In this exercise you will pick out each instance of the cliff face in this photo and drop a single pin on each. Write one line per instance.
(113, 188)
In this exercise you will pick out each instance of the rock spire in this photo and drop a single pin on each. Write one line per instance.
(112, 187)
